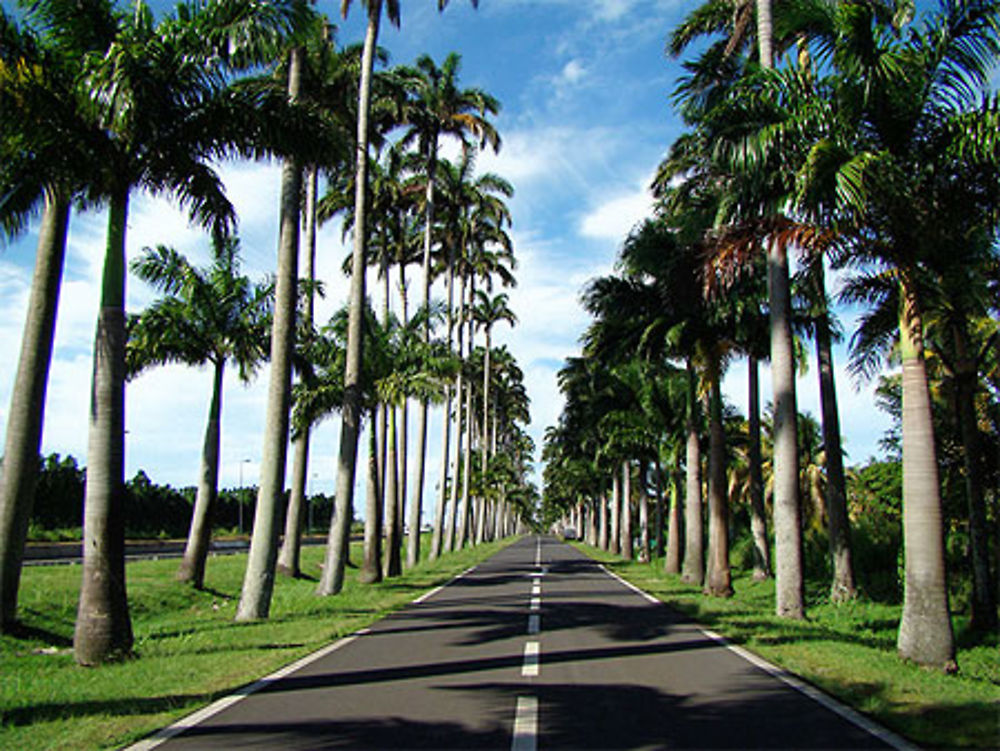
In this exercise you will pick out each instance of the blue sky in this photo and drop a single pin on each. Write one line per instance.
(585, 88)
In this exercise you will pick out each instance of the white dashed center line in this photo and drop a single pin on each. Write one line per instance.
(525, 725)
(534, 624)
(531, 652)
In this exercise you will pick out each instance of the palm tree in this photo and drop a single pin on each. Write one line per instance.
(164, 99)
(209, 316)
(44, 150)
(332, 579)
(439, 108)
(487, 313)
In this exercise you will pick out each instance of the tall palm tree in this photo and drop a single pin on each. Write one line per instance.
(209, 316)
(332, 579)
(439, 108)
(488, 312)
(46, 155)
(164, 98)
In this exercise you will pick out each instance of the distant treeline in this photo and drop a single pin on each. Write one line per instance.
(151, 510)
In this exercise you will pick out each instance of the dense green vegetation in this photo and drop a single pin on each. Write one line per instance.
(857, 137)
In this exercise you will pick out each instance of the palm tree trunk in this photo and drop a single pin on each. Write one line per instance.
(644, 546)
(984, 604)
(615, 522)
(925, 632)
(457, 462)
(371, 568)
(627, 547)
(672, 562)
(764, 33)
(481, 525)
(338, 540)
(693, 568)
(192, 568)
(291, 545)
(393, 564)
(719, 582)
(258, 581)
(462, 531)
(658, 515)
(789, 593)
(103, 627)
(27, 402)
(843, 587)
(758, 515)
(603, 532)
(437, 538)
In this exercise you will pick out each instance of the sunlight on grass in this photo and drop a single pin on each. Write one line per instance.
(849, 651)
(188, 649)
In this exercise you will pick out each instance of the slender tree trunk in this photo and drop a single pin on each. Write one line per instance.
(604, 531)
(192, 568)
(719, 582)
(644, 547)
(764, 33)
(672, 562)
(27, 402)
(789, 590)
(462, 532)
(291, 545)
(103, 626)
(438, 535)
(693, 568)
(658, 515)
(258, 581)
(481, 525)
(592, 530)
(925, 632)
(627, 546)
(371, 568)
(393, 565)
(758, 515)
(338, 540)
(457, 462)
(615, 520)
(984, 603)
(843, 587)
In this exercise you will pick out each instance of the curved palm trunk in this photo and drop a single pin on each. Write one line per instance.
(103, 627)
(338, 540)
(371, 567)
(615, 520)
(291, 545)
(789, 593)
(719, 582)
(672, 562)
(693, 568)
(192, 568)
(258, 581)
(984, 603)
(925, 632)
(758, 515)
(27, 402)
(843, 586)
(627, 547)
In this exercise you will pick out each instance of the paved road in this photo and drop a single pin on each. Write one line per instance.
(536, 648)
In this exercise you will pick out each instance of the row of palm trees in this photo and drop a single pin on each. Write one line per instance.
(870, 146)
(110, 101)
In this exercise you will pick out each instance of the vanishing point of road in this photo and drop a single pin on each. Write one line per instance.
(538, 647)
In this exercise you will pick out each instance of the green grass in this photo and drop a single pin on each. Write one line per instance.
(849, 651)
(189, 651)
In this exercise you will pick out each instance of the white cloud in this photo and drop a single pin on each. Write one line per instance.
(613, 219)
(573, 72)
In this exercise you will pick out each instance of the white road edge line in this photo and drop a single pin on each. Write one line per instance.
(525, 737)
(164, 734)
(848, 713)
(532, 650)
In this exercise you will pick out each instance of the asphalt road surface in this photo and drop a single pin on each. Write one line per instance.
(536, 648)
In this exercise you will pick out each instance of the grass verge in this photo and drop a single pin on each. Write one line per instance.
(189, 650)
(847, 650)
